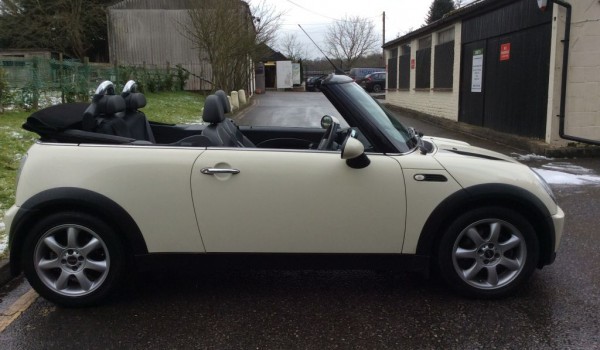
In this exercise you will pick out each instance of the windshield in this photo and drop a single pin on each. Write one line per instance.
(385, 121)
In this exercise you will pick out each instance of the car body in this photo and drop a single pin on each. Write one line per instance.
(374, 82)
(311, 83)
(374, 194)
(358, 74)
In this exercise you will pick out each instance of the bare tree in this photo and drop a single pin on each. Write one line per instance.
(350, 38)
(292, 48)
(230, 35)
(74, 27)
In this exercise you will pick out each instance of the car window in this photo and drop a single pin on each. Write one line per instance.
(385, 120)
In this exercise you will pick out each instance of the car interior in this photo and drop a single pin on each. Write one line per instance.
(113, 118)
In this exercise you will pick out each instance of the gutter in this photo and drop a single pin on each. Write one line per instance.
(563, 84)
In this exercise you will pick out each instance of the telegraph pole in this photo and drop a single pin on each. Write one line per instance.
(383, 50)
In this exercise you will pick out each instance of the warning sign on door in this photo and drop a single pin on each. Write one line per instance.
(505, 52)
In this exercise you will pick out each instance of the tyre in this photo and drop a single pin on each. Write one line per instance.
(376, 88)
(73, 259)
(488, 252)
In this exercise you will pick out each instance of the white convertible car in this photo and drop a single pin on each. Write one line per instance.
(104, 189)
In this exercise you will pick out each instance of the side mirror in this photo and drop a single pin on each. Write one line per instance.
(353, 152)
(327, 120)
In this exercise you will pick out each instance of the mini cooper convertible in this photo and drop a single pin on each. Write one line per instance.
(104, 188)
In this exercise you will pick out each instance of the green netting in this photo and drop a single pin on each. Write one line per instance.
(36, 82)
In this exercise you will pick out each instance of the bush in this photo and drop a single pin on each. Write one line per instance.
(5, 92)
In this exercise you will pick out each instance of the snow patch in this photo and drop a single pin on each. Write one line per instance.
(562, 178)
(529, 157)
(3, 238)
(16, 135)
(568, 168)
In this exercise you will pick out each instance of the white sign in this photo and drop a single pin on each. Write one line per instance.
(477, 72)
(296, 74)
(284, 75)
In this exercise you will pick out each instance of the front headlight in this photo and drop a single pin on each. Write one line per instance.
(544, 185)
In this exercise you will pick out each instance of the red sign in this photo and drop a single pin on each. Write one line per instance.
(505, 52)
(413, 64)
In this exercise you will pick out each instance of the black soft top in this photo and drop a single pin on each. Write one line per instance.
(49, 121)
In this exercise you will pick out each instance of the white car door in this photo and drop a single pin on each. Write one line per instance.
(290, 201)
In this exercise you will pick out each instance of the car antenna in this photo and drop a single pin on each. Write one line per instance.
(337, 70)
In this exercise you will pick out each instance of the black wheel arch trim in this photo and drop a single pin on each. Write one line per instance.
(513, 197)
(71, 198)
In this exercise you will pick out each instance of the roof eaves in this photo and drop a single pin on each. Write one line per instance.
(462, 13)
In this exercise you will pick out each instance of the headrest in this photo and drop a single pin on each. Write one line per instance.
(213, 110)
(110, 104)
(224, 101)
(134, 100)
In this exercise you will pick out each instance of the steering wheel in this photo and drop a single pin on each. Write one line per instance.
(329, 136)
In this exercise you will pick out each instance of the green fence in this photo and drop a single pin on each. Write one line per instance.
(33, 83)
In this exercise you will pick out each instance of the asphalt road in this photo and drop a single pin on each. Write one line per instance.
(187, 309)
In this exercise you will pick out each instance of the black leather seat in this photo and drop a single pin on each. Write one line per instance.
(136, 121)
(230, 125)
(217, 132)
(102, 116)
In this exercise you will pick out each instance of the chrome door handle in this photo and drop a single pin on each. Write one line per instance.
(212, 171)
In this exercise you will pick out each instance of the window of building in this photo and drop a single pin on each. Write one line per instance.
(423, 69)
(404, 67)
(443, 70)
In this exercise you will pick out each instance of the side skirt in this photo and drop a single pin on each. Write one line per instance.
(245, 261)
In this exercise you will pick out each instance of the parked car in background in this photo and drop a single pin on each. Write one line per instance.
(310, 83)
(358, 74)
(374, 82)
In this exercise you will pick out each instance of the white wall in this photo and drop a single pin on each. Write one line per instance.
(583, 88)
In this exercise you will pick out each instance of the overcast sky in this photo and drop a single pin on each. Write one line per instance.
(316, 15)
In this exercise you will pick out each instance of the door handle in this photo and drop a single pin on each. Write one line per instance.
(212, 171)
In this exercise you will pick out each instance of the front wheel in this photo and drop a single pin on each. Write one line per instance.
(73, 259)
(488, 252)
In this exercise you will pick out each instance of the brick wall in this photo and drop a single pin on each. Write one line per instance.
(583, 88)
(437, 103)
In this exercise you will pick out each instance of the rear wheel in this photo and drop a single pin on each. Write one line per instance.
(488, 252)
(73, 259)
(376, 88)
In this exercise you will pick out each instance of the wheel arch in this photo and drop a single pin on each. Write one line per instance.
(73, 199)
(511, 197)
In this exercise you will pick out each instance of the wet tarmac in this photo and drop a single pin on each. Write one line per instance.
(558, 309)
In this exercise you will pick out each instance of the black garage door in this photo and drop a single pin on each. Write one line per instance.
(505, 70)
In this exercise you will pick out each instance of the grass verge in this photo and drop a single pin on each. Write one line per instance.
(165, 107)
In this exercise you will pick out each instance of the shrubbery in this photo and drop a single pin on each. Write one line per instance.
(52, 81)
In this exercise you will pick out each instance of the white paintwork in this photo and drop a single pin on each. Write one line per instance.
(299, 202)
(151, 183)
(352, 149)
(282, 201)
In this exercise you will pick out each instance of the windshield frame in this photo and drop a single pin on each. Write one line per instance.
(361, 110)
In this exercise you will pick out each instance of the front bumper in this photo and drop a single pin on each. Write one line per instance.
(558, 220)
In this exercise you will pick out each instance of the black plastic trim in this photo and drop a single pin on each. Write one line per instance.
(491, 194)
(285, 261)
(70, 198)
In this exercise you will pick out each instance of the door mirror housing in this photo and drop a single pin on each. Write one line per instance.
(353, 152)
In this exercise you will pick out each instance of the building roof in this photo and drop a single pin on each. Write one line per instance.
(157, 4)
(471, 10)
(271, 55)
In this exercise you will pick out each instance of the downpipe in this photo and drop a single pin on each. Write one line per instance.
(563, 84)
